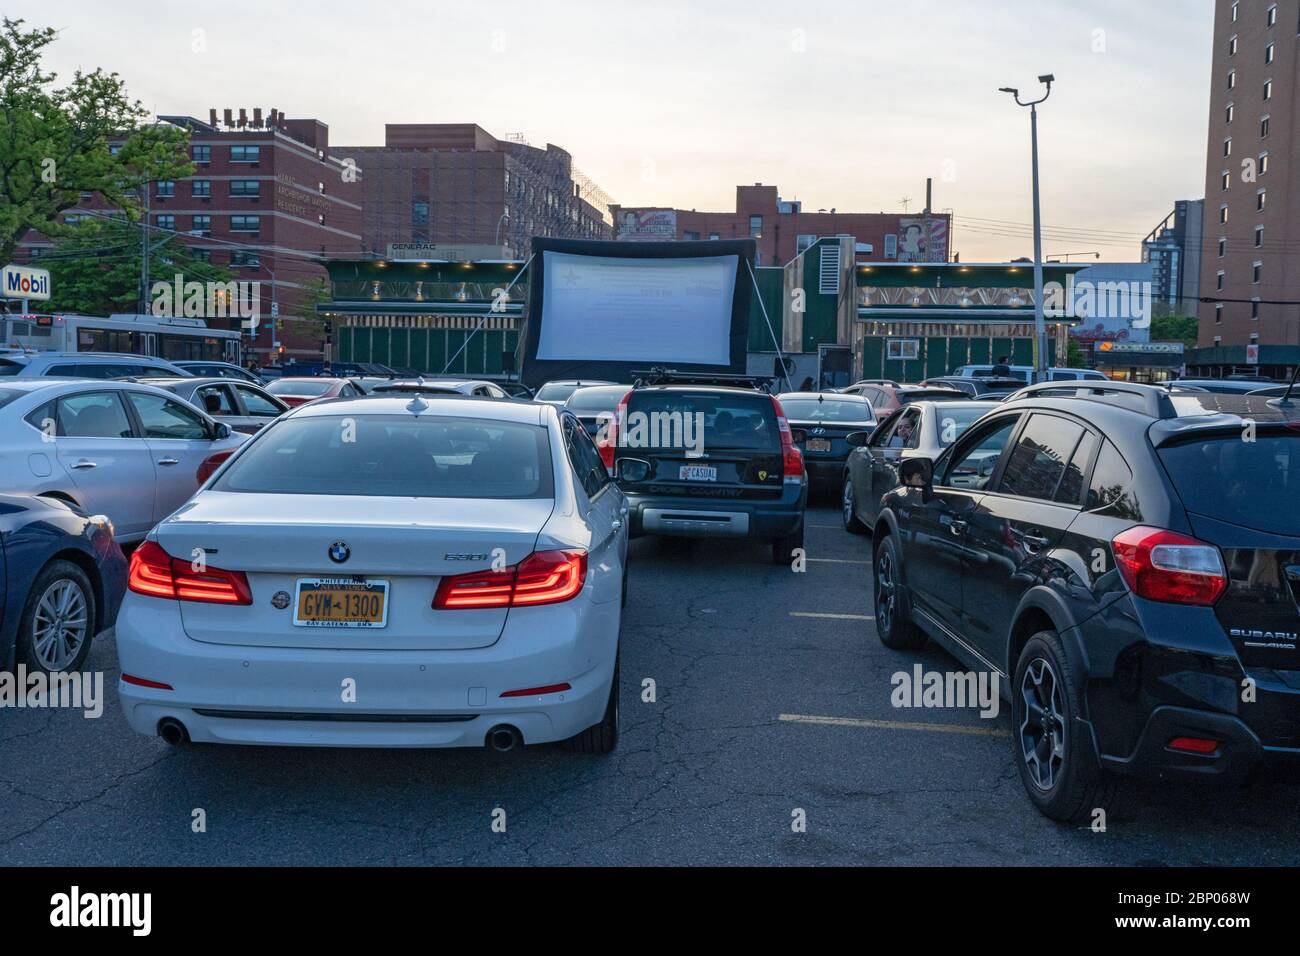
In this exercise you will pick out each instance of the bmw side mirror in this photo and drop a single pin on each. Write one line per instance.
(633, 469)
(858, 439)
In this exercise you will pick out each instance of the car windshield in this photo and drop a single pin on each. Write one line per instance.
(596, 399)
(826, 410)
(732, 422)
(1250, 483)
(555, 392)
(299, 387)
(397, 456)
(953, 422)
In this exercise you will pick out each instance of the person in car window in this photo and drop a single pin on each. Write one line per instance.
(901, 434)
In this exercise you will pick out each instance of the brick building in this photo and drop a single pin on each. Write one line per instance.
(1251, 254)
(454, 184)
(783, 229)
(269, 200)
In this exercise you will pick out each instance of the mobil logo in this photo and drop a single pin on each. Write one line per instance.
(25, 282)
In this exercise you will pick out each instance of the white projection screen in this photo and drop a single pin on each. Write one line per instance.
(601, 308)
(605, 310)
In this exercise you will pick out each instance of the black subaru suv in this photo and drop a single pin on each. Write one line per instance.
(1127, 561)
(708, 456)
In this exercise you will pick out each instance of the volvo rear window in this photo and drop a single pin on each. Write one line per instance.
(731, 422)
(395, 456)
(1255, 484)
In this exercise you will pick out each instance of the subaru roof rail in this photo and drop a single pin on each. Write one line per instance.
(1148, 399)
(671, 376)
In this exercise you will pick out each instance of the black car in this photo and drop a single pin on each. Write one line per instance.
(62, 577)
(593, 405)
(709, 460)
(1127, 560)
(825, 420)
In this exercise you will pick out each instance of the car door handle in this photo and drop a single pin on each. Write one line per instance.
(1034, 541)
(84, 463)
(616, 523)
(957, 526)
(169, 461)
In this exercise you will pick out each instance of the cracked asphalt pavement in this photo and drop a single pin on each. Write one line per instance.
(708, 773)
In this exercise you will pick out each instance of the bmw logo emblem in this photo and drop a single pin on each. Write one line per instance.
(340, 552)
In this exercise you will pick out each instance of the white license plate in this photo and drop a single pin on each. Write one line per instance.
(340, 602)
(819, 444)
(697, 473)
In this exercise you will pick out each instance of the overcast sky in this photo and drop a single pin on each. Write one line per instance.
(847, 104)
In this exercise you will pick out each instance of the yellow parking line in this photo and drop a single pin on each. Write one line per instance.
(833, 617)
(893, 725)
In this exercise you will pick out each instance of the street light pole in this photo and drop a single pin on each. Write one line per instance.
(1040, 325)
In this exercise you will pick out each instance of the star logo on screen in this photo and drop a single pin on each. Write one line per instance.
(572, 278)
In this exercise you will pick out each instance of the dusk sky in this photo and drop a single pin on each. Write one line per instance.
(843, 104)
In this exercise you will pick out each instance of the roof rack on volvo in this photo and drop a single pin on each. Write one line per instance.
(1148, 399)
(671, 376)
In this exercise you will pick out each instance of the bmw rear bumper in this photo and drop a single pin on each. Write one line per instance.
(232, 694)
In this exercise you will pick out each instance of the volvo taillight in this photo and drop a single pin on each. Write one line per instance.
(791, 457)
(1162, 565)
(156, 573)
(609, 444)
(544, 577)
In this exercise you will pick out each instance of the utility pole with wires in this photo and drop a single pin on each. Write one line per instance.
(144, 255)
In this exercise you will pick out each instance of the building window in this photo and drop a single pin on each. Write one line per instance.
(1227, 147)
(1268, 53)
(245, 260)
(201, 154)
(1261, 197)
(1218, 281)
(803, 242)
(420, 213)
(202, 225)
(166, 189)
(1263, 163)
(1223, 213)
(1232, 79)
(1271, 16)
(1234, 12)
(1223, 247)
(245, 187)
(1218, 315)
(1263, 127)
(1259, 236)
(167, 221)
(245, 154)
(690, 236)
(201, 255)
(1255, 270)
(1254, 309)
(1268, 89)
(755, 227)
(201, 188)
(245, 223)
(1232, 46)
(1227, 114)
(1226, 180)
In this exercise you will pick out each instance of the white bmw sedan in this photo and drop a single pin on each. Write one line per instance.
(386, 572)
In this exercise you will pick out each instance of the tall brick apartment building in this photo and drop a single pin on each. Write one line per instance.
(1251, 259)
(268, 199)
(456, 185)
(783, 229)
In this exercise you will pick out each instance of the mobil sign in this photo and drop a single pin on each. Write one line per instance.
(24, 282)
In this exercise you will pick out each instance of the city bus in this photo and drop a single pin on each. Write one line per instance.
(172, 339)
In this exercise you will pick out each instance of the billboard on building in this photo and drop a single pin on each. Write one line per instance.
(646, 225)
(922, 239)
(605, 310)
(1111, 301)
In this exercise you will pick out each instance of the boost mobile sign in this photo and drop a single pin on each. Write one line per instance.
(24, 282)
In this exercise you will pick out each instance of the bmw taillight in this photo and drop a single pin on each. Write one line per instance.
(609, 444)
(156, 573)
(791, 457)
(544, 577)
(1162, 565)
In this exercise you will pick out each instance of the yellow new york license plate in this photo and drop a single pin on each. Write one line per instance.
(819, 444)
(341, 602)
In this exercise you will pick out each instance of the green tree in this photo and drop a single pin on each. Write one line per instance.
(56, 142)
(95, 267)
(1074, 354)
(1174, 328)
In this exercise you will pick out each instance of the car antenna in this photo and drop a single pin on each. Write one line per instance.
(1285, 400)
(417, 405)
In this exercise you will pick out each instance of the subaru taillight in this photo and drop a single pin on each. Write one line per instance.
(544, 577)
(211, 464)
(791, 457)
(156, 573)
(609, 444)
(1162, 565)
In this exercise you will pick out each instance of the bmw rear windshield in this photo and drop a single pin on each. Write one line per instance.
(1255, 484)
(395, 456)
